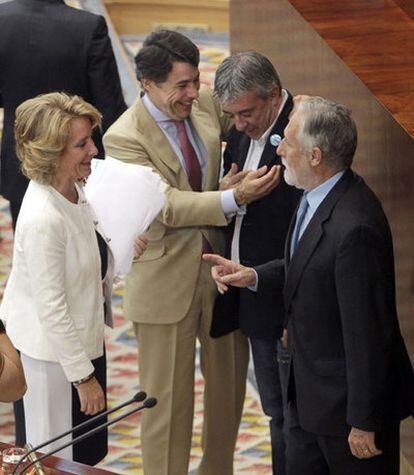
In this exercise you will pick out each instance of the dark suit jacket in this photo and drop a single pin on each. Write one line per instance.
(262, 237)
(350, 364)
(46, 46)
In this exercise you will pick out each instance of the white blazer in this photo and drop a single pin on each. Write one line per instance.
(53, 301)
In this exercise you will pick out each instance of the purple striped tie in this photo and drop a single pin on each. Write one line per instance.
(193, 167)
(190, 157)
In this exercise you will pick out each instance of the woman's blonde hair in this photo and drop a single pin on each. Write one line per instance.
(42, 130)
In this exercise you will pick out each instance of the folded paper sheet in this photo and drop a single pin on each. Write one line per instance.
(126, 199)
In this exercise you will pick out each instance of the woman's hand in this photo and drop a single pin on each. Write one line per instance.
(140, 244)
(91, 396)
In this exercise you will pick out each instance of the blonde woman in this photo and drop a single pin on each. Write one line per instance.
(58, 296)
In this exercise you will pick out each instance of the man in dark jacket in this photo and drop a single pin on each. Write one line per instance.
(250, 91)
(351, 380)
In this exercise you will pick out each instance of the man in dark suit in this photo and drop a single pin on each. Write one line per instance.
(351, 380)
(249, 90)
(46, 46)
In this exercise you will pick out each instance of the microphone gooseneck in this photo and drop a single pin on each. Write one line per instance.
(152, 403)
(138, 397)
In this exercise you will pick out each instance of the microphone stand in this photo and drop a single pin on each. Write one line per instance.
(32, 458)
(150, 402)
(138, 397)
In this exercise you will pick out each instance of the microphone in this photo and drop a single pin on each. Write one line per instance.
(138, 397)
(150, 402)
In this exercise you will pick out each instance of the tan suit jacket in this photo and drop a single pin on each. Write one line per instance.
(161, 285)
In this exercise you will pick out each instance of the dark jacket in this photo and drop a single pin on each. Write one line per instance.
(350, 367)
(262, 238)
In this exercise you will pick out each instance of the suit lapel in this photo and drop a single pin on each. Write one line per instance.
(242, 150)
(311, 236)
(207, 133)
(269, 156)
(159, 146)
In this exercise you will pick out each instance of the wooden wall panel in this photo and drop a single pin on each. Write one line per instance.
(407, 6)
(374, 38)
(142, 16)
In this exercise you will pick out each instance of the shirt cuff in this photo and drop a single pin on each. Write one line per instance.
(254, 287)
(229, 205)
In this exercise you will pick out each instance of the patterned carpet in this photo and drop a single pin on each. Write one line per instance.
(253, 449)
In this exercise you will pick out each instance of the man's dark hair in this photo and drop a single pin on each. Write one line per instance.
(243, 72)
(154, 61)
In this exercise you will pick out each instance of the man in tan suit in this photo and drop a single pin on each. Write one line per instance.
(176, 129)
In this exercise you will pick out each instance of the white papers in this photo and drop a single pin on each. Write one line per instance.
(126, 198)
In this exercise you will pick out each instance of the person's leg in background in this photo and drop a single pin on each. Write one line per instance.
(166, 356)
(14, 211)
(18, 408)
(266, 356)
(224, 364)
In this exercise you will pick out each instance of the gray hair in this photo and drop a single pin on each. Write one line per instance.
(330, 127)
(242, 72)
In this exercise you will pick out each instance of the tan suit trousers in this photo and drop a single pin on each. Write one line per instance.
(166, 368)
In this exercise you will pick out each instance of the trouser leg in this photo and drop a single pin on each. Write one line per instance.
(303, 454)
(341, 461)
(48, 404)
(166, 371)
(224, 364)
(19, 422)
(312, 454)
(18, 407)
(265, 357)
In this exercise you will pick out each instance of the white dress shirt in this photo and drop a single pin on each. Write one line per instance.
(315, 198)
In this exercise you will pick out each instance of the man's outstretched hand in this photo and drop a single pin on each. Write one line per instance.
(226, 272)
